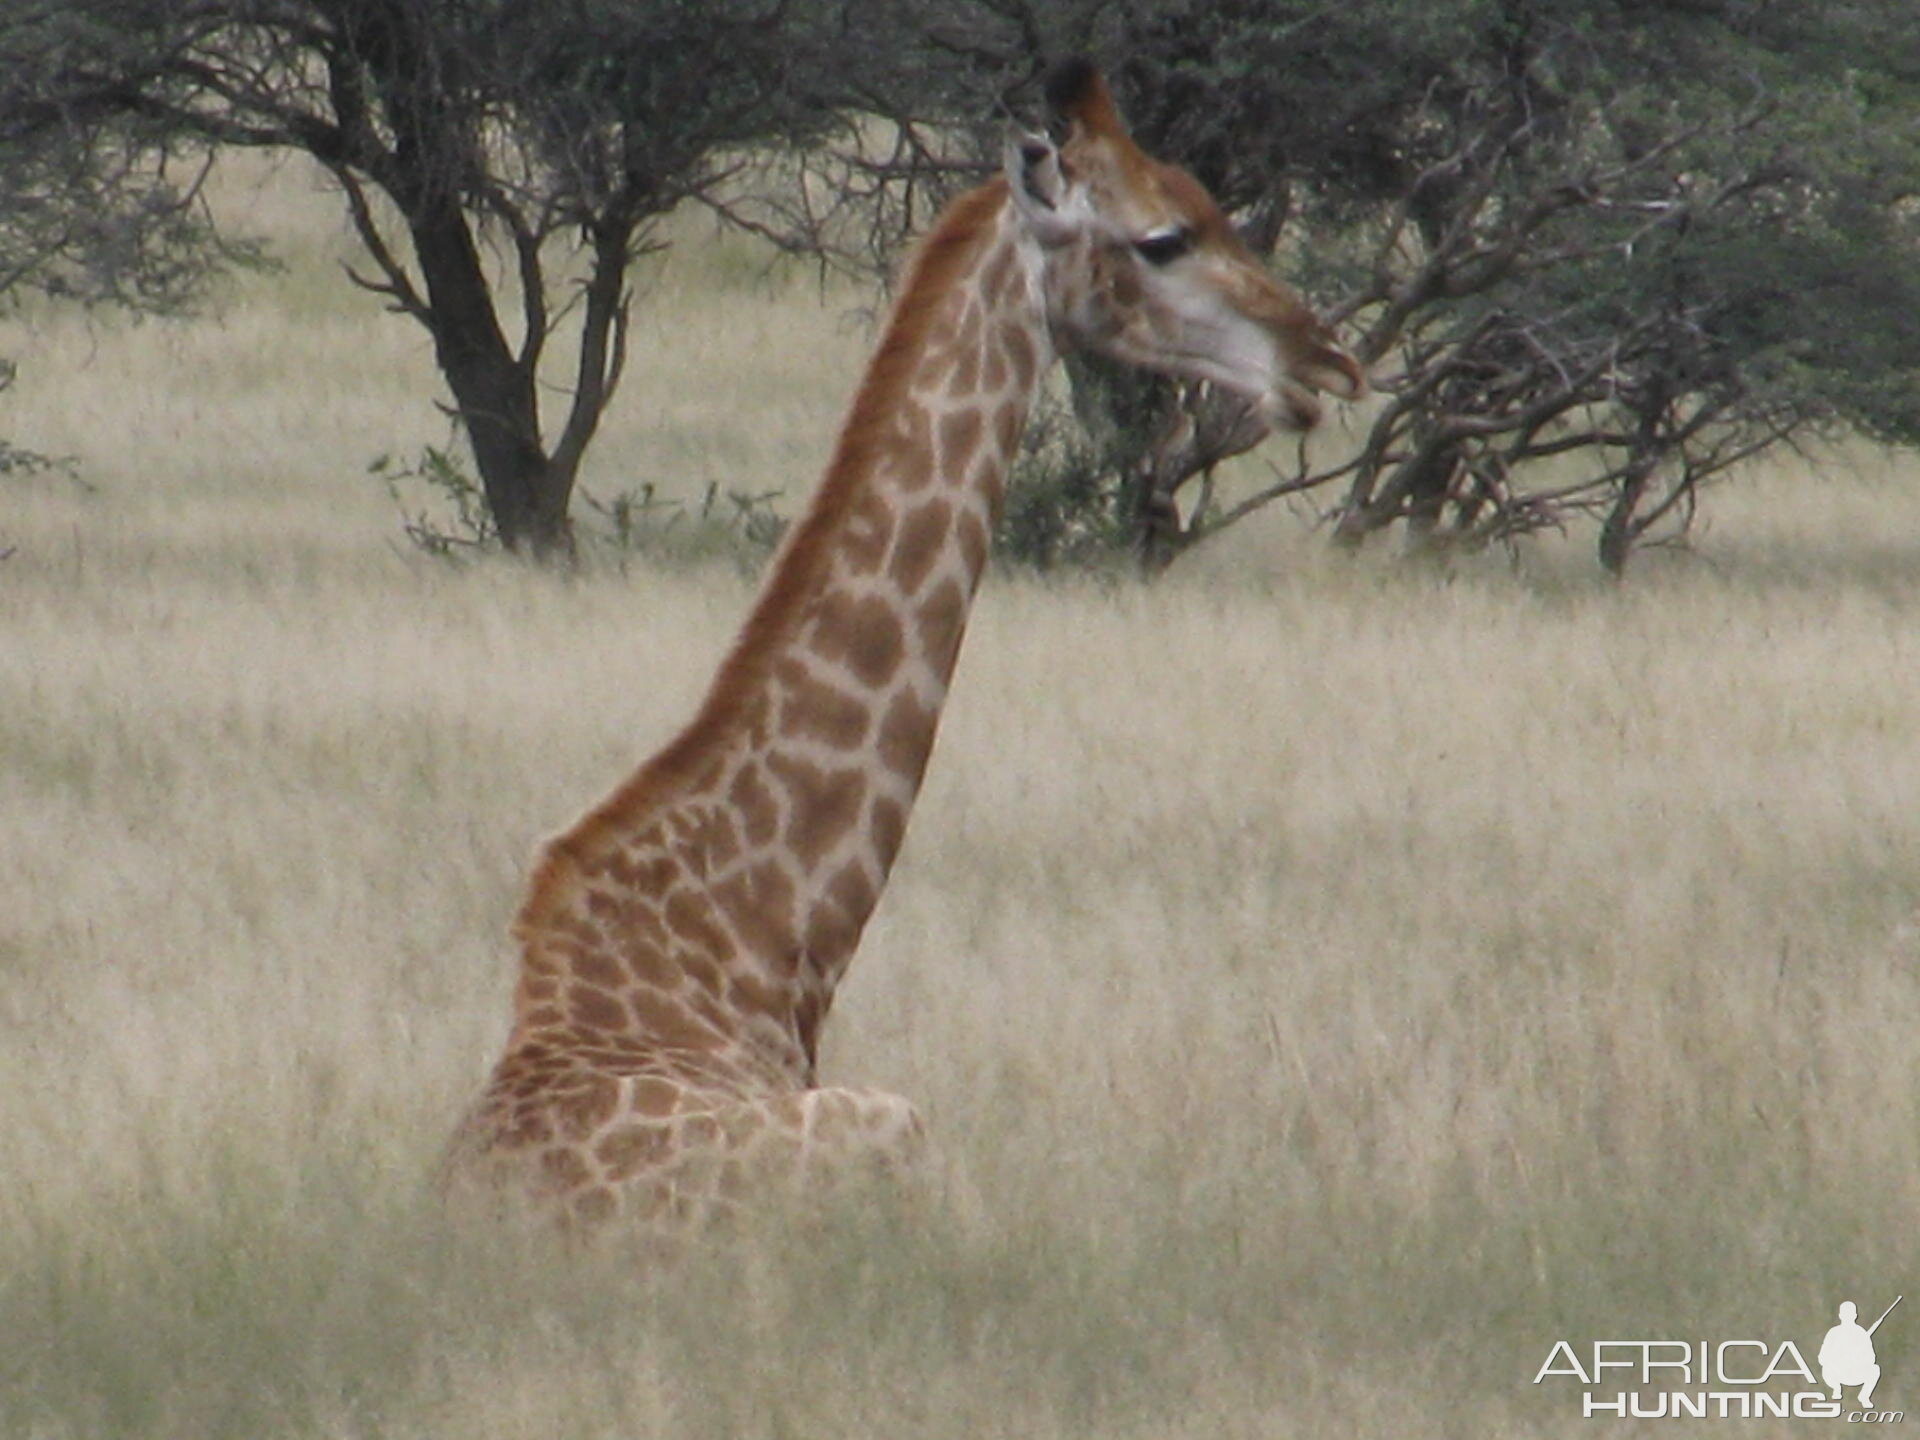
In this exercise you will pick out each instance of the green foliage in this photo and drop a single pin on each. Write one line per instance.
(723, 524)
(557, 135)
(1061, 508)
(1075, 492)
(18, 463)
(442, 508)
(92, 211)
(99, 203)
(443, 513)
(1646, 240)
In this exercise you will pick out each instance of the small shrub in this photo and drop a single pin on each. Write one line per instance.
(443, 512)
(1068, 501)
(722, 525)
(442, 508)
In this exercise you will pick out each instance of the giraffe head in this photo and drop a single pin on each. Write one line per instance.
(1142, 266)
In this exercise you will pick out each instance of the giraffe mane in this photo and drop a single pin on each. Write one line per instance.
(795, 575)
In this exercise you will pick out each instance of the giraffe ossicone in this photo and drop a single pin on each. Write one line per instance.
(681, 942)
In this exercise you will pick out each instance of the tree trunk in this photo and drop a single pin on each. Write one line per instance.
(1416, 491)
(1620, 529)
(493, 389)
(1204, 426)
(1428, 486)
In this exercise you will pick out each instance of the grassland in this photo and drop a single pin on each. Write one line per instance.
(1336, 982)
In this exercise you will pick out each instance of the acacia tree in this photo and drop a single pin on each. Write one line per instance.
(1654, 248)
(561, 131)
(92, 211)
(1639, 242)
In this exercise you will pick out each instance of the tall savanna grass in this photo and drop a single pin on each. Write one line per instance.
(1332, 982)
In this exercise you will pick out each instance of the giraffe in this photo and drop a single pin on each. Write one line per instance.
(681, 943)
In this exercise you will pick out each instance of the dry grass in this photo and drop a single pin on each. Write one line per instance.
(1337, 983)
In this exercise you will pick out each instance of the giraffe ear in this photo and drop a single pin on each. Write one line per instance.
(1078, 96)
(1038, 184)
(1034, 171)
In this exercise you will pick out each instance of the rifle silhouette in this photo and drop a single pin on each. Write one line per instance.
(1884, 1313)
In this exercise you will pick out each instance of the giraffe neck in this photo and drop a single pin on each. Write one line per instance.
(869, 599)
(770, 825)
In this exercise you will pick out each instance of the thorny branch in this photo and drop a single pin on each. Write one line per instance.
(1486, 313)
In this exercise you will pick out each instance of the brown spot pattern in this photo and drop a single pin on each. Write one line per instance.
(596, 968)
(998, 370)
(708, 841)
(759, 810)
(759, 903)
(912, 444)
(906, 735)
(595, 1009)
(689, 915)
(1007, 424)
(667, 1022)
(564, 1169)
(808, 1011)
(888, 826)
(959, 437)
(861, 632)
(869, 530)
(831, 937)
(972, 534)
(589, 1106)
(966, 370)
(824, 806)
(918, 544)
(632, 1148)
(811, 709)
(747, 994)
(654, 1097)
(943, 620)
(1022, 356)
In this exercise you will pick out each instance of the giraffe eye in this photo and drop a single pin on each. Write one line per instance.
(1163, 247)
